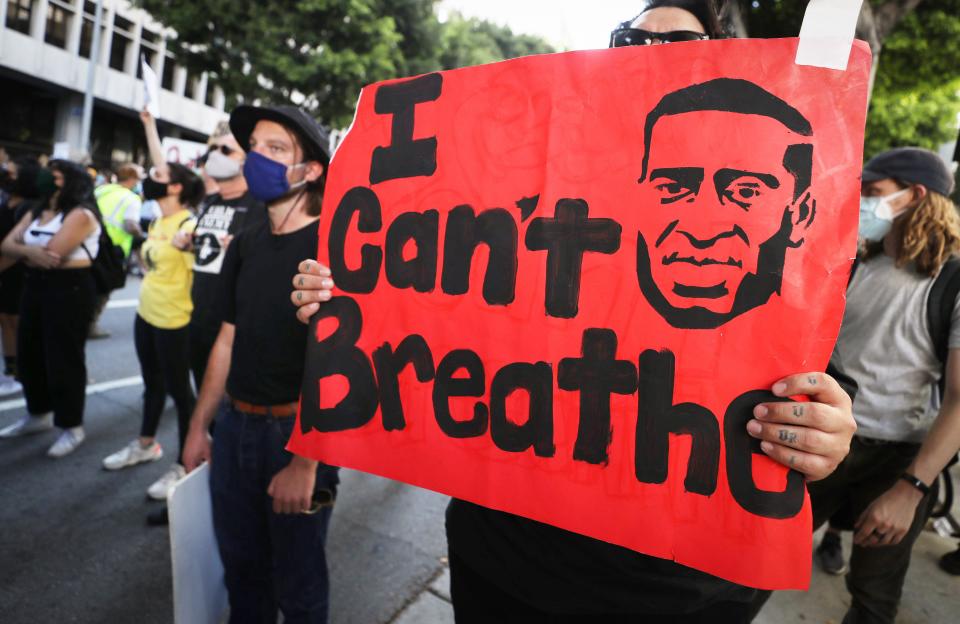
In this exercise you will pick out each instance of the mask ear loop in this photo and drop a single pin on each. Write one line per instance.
(293, 206)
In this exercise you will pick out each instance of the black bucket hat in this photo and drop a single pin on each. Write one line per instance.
(314, 139)
(911, 165)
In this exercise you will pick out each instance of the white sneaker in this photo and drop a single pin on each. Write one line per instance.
(9, 385)
(162, 487)
(67, 443)
(28, 424)
(133, 454)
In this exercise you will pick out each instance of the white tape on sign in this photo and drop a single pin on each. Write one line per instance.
(826, 35)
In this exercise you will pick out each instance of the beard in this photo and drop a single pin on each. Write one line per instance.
(754, 290)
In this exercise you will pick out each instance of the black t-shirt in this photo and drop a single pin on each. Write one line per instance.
(218, 218)
(562, 572)
(267, 363)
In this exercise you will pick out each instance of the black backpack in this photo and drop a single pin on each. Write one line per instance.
(109, 267)
(940, 305)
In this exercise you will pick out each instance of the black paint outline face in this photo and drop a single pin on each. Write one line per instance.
(728, 245)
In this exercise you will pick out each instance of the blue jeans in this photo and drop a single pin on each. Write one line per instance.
(270, 560)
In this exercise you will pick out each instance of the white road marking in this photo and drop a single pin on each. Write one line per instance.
(106, 386)
(122, 303)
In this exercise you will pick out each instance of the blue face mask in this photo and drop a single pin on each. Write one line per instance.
(267, 178)
(138, 188)
(877, 215)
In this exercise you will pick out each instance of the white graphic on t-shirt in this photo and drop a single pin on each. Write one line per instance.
(212, 228)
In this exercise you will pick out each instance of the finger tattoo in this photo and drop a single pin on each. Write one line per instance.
(787, 436)
(299, 295)
(798, 410)
(812, 380)
(301, 283)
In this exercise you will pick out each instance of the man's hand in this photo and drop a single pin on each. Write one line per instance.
(292, 487)
(811, 437)
(196, 448)
(312, 286)
(888, 518)
(147, 118)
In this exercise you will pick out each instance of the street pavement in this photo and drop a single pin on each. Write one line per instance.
(75, 547)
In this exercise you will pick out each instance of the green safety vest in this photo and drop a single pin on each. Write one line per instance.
(112, 200)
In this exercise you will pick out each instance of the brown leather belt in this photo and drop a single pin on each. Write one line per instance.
(284, 410)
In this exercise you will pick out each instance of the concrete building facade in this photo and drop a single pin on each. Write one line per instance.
(45, 50)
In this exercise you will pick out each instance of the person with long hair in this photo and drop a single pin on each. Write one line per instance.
(57, 241)
(271, 509)
(906, 433)
(161, 332)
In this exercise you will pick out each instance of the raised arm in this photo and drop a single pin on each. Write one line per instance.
(153, 142)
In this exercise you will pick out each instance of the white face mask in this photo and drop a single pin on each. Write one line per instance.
(222, 167)
(877, 215)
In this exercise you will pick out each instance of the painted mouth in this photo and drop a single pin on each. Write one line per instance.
(675, 257)
(716, 291)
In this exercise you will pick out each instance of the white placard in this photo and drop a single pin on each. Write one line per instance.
(199, 595)
(826, 35)
(151, 88)
(61, 150)
(182, 151)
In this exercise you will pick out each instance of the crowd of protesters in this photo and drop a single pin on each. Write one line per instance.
(219, 257)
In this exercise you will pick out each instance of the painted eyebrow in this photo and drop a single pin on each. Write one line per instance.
(723, 177)
(691, 177)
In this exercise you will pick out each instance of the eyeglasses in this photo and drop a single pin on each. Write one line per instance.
(636, 36)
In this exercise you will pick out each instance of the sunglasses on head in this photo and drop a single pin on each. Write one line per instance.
(637, 36)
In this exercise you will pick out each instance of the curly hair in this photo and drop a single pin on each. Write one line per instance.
(929, 236)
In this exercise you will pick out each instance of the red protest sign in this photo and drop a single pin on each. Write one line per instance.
(564, 281)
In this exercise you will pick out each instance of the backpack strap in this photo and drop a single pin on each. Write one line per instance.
(940, 304)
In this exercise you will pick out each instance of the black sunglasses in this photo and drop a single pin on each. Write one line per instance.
(226, 150)
(637, 36)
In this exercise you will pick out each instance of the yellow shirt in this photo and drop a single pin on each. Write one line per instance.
(165, 293)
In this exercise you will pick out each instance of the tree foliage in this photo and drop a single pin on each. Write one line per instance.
(916, 92)
(319, 53)
(916, 97)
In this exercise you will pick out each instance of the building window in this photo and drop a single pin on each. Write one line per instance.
(18, 15)
(169, 65)
(122, 40)
(211, 87)
(86, 29)
(59, 15)
(149, 48)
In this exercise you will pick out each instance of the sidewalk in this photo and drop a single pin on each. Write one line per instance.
(930, 595)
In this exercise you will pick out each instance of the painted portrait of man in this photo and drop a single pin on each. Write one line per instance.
(725, 194)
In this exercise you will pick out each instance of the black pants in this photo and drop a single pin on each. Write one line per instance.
(478, 601)
(55, 313)
(164, 356)
(202, 339)
(875, 580)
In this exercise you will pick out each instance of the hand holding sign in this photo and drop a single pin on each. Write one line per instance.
(311, 286)
(151, 88)
(565, 282)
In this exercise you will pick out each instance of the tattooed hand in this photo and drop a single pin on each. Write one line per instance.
(812, 437)
(312, 286)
